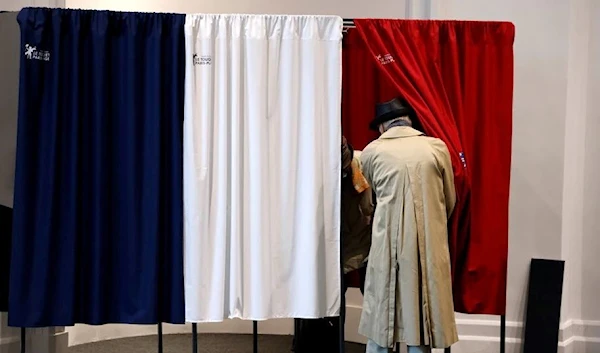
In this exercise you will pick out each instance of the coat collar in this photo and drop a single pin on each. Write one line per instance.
(400, 131)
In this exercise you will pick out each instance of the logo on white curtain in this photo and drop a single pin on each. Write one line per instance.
(385, 59)
(202, 60)
(32, 53)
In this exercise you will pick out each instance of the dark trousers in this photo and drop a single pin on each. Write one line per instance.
(311, 335)
(362, 273)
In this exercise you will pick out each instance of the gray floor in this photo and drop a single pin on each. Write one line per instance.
(207, 343)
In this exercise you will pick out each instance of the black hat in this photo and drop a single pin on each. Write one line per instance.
(390, 110)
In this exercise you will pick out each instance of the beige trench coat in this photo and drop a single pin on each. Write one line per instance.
(408, 289)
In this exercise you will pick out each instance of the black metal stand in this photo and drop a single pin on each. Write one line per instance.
(503, 334)
(23, 338)
(448, 350)
(160, 338)
(342, 334)
(194, 338)
(255, 336)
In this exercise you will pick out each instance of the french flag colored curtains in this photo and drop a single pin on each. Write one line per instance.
(98, 210)
(458, 76)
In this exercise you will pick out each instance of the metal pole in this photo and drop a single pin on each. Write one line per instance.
(194, 338)
(342, 342)
(23, 337)
(255, 336)
(160, 338)
(502, 333)
(448, 350)
(342, 334)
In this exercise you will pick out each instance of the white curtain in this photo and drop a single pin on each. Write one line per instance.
(262, 141)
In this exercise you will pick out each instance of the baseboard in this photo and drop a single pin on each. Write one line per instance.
(53, 343)
(580, 336)
(10, 344)
(476, 336)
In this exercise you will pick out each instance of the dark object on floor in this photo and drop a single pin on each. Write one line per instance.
(316, 335)
(207, 343)
(544, 300)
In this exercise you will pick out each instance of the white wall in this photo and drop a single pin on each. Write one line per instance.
(9, 71)
(590, 308)
(554, 194)
(348, 8)
(16, 5)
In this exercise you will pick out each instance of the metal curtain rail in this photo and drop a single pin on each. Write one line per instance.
(348, 23)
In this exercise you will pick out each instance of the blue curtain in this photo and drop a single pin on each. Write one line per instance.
(97, 234)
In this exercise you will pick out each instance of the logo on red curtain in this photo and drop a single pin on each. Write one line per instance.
(385, 59)
(32, 53)
(462, 159)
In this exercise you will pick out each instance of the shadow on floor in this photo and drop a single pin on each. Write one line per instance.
(207, 343)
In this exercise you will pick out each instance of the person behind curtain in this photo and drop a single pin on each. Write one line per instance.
(313, 335)
(357, 211)
(408, 289)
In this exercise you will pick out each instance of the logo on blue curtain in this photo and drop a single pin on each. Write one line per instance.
(463, 160)
(32, 53)
(202, 60)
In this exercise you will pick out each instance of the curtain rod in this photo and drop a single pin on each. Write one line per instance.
(348, 23)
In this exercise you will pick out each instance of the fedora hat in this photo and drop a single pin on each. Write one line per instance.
(387, 111)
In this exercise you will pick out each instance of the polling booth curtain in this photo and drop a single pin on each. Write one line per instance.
(98, 212)
(363, 86)
(262, 170)
(458, 76)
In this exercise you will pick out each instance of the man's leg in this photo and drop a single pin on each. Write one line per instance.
(419, 349)
(373, 347)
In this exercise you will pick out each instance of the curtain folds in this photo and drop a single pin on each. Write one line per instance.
(262, 167)
(458, 77)
(98, 192)
(363, 86)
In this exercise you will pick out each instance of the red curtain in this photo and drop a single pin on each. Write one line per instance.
(363, 86)
(458, 76)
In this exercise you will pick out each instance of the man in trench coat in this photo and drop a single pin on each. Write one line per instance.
(408, 289)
